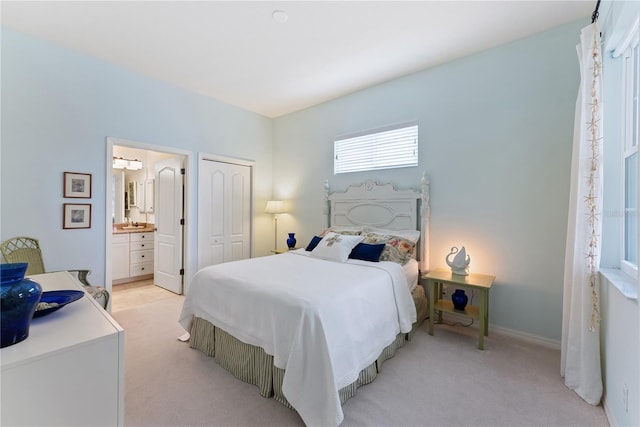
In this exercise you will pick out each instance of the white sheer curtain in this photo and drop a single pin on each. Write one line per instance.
(580, 355)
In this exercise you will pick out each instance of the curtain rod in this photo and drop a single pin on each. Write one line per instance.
(594, 16)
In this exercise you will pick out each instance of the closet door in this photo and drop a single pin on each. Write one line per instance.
(224, 212)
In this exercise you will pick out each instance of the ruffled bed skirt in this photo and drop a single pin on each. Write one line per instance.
(252, 365)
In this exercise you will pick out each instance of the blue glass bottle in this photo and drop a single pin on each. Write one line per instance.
(19, 298)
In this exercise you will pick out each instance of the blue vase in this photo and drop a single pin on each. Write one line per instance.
(291, 241)
(459, 299)
(19, 298)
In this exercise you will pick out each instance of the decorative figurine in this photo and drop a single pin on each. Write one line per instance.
(460, 263)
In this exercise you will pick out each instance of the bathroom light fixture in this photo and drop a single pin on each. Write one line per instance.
(132, 165)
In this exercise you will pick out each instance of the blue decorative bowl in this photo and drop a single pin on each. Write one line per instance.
(18, 300)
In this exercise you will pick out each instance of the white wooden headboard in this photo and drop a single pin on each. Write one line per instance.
(382, 205)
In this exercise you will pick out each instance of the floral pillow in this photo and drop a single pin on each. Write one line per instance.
(344, 230)
(396, 249)
(410, 235)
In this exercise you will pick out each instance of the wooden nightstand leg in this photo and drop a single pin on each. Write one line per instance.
(480, 334)
(486, 312)
(432, 292)
(483, 323)
(439, 297)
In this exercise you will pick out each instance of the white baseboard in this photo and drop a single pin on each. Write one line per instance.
(610, 416)
(523, 336)
(511, 333)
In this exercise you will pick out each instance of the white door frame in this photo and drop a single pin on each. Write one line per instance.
(236, 161)
(189, 216)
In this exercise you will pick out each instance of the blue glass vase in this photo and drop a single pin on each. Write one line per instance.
(19, 298)
(291, 241)
(459, 299)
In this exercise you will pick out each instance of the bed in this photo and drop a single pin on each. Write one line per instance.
(310, 326)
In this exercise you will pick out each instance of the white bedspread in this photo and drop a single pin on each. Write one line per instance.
(322, 321)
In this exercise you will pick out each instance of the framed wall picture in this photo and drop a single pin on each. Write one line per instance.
(77, 185)
(76, 215)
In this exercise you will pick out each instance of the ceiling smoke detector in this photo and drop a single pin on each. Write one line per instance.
(280, 16)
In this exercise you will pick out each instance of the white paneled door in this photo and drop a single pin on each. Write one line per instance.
(224, 212)
(169, 225)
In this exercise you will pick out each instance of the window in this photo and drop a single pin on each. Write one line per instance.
(384, 149)
(630, 119)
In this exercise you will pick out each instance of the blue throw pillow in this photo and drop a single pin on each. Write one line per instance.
(367, 252)
(313, 243)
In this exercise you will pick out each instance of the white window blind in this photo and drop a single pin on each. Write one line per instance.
(395, 148)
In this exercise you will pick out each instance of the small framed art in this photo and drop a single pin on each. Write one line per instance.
(77, 185)
(76, 215)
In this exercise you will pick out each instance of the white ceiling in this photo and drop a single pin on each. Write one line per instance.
(236, 52)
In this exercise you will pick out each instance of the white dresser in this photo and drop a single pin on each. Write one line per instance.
(70, 370)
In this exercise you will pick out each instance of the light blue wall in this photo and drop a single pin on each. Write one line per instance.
(495, 138)
(59, 106)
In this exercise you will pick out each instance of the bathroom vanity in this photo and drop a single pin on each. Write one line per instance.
(132, 253)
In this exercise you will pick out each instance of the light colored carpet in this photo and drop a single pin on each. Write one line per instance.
(135, 294)
(440, 380)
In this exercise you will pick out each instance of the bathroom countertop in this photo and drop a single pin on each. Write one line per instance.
(126, 228)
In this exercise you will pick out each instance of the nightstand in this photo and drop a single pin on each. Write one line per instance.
(281, 251)
(478, 282)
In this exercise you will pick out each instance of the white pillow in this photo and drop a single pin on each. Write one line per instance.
(336, 247)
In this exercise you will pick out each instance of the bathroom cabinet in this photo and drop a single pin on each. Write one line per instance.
(131, 257)
(120, 256)
(140, 255)
(145, 196)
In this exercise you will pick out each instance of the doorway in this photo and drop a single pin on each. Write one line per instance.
(145, 206)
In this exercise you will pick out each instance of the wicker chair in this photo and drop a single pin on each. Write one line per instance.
(27, 249)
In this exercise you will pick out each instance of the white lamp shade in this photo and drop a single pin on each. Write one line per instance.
(275, 207)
